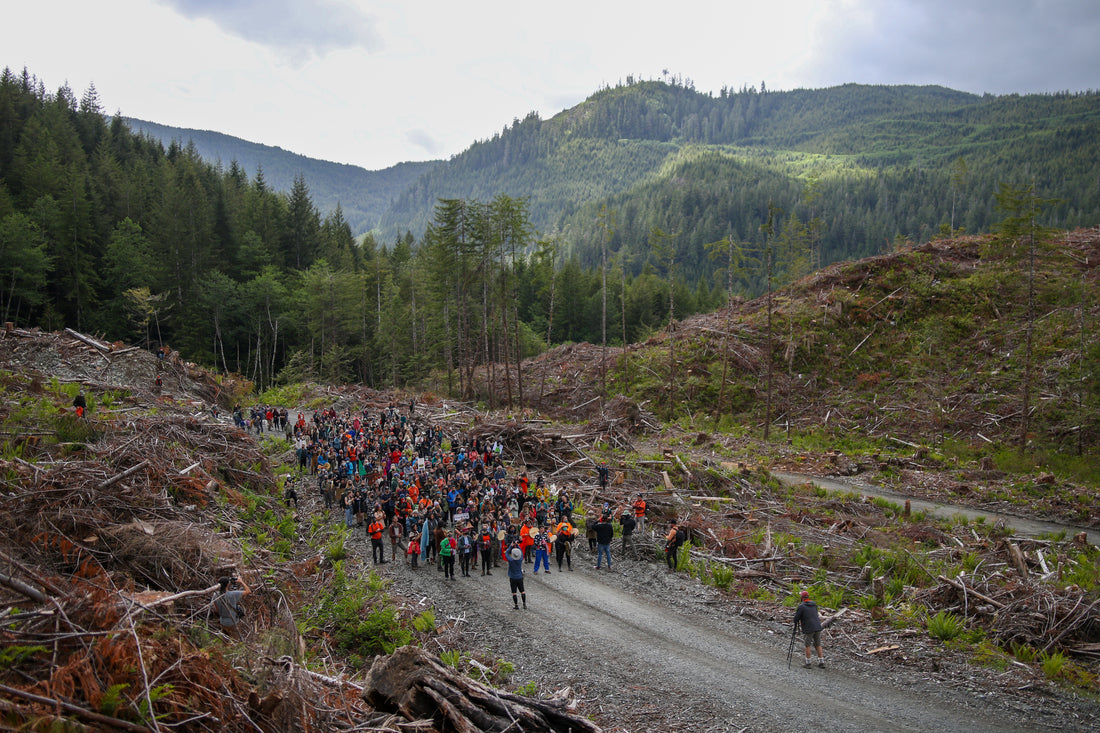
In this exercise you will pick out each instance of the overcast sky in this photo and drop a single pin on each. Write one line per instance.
(377, 82)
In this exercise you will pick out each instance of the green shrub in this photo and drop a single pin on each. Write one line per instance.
(946, 626)
(1024, 652)
(683, 559)
(425, 622)
(1053, 664)
(722, 575)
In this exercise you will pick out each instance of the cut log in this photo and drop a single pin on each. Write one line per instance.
(125, 474)
(415, 684)
(88, 340)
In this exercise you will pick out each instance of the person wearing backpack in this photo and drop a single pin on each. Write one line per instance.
(675, 537)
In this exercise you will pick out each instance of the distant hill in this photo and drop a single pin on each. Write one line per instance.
(865, 165)
(362, 194)
(871, 163)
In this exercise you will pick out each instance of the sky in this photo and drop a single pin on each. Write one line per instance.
(377, 82)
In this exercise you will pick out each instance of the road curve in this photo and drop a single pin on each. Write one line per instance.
(706, 669)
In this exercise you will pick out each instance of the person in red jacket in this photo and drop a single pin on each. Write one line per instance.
(378, 550)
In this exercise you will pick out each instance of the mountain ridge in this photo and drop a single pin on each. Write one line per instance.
(362, 194)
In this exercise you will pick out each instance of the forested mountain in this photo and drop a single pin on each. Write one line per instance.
(363, 195)
(646, 203)
(856, 166)
(108, 231)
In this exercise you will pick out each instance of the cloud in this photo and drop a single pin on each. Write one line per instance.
(424, 141)
(997, 46)
(300, 28)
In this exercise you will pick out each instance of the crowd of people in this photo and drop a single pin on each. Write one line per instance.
(449, 501)
(453, 502)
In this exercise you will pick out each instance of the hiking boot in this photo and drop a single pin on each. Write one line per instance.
(821, 663)
(807, 665)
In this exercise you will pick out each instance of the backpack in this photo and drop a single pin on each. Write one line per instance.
(681, 536)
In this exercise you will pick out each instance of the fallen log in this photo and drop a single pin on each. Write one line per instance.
(125, 474)
(51, 703)
(99, 345)
(960, 586)
(416, 685)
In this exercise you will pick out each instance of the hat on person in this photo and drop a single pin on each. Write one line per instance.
(805, 595)
(516, 554)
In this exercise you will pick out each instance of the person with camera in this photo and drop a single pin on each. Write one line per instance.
(628, 524)
(228, 603)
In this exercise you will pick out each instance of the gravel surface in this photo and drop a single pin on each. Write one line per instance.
(649, 650)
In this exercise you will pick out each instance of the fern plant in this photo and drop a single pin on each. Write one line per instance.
(946, 626)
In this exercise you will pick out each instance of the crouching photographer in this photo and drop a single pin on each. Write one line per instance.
(228, 604)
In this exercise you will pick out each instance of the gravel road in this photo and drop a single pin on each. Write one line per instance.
(649, 650)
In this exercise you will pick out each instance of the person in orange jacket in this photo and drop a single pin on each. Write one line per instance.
(375, 530)
(525, 541)
(563, 543)
(639, 514)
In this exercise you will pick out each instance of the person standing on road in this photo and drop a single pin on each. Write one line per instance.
(811, 628)
(541, 542)
(515, 575)
(396, 530)
(465, 551)
(447, 555)
(485, 550)
(375, 530)
(605, 532)
(563, 543)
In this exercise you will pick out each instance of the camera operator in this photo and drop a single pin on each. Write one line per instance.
(228, 603)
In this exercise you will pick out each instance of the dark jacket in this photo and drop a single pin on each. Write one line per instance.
(807, 614)
(629, 523)
(605, 532)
